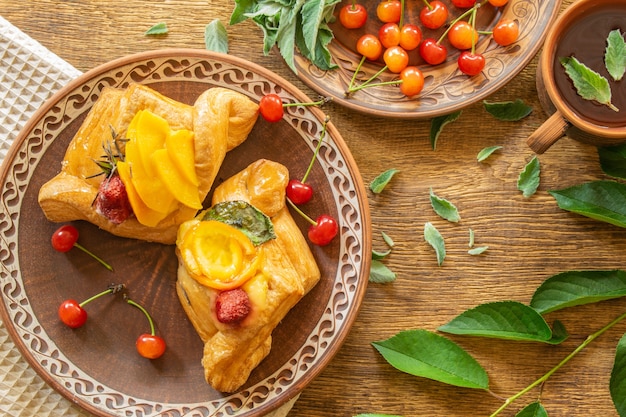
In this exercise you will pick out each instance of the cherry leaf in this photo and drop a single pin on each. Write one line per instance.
(380, 274)
(157, 29)
(438, 123)
(600, 200)
(613, 160)
(486, 152)
(426, 354)
(508, 111)
(617, 383)
(615, 55)
(444, 208)
(502, 320)
(379, 183)
(533, 410)
(589, 84)
(528, 180)
(388, 240)
(573, 288)
(479, 250)
(434, 239)
(216, 37)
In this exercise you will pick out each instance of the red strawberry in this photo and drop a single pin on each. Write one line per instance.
(232, 306)
(112, 201)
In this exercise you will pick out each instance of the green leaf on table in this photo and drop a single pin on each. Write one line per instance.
(486, 152)
(157, 29)
(388, 240)
(508, 111)
(379, 183)
(600, 200)
(573, 288)
(589, 84)
(434, 239)
(429, 355)
(479, 250)
(533, 410)
(380, 273)
(312, 16)
(528, 180)
(216, 37)
(379, 255)
(444, 208)
(502, 320)
(471, 238)
(613, 160)
(615, 54)
(438, 123)
(617, 383)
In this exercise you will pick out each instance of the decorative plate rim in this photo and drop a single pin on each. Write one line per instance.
(29, 336)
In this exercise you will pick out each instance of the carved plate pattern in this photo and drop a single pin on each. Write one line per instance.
(96, 366)
(446, 89)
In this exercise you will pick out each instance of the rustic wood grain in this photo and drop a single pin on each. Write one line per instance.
(529, 239)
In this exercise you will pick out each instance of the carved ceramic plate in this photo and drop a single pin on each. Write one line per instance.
(446, 89)
(97, 366)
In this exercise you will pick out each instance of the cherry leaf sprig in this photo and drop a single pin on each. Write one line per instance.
(430, 355)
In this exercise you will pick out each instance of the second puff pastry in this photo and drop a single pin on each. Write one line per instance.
(285, 272)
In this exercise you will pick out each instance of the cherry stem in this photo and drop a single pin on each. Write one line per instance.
(427, 3)
(366, 83)
(401, 23)
(317, 149)
(461, 16)
(548, 374)
(93, 255)
(112, 289)
(140, 307)
(473, 23)
(356, 71)
(300, 212)
(321, 101)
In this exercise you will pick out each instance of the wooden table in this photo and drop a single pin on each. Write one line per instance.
(529, 239)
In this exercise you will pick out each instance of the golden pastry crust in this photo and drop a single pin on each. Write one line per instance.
(232, 352)
(220, 118)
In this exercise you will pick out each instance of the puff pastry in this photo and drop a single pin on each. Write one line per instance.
(220, 120)
(286, 272)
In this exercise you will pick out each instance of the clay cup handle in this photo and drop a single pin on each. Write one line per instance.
(548, 133)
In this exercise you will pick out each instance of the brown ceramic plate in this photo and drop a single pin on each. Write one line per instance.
(446, 88)
(97, 366)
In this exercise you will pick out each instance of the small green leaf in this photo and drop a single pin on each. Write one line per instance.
(486, 152)
(379, 183)
(589, 84)
(615, 54)
(509, 111)
(216, 37)
(471, 238)
(444, 208)
(378, 255)
(600, 200)
(428, 355)
(438, 123)
(387, 239)
(158, 29)
(533, 410)
(617, 383)
(434, 239)
(573, 288)
(380, 274)
(244, 216)
(613, 160)
(503, 320)
(528, 180)
(478, 250)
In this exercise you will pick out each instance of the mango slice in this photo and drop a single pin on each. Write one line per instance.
(180, 148)
(145, 215)
(167, 172)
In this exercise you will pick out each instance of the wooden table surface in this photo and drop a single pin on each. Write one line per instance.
(529, 239)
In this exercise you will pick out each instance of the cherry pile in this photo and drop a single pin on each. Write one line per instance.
(399, 41)
(323, 229)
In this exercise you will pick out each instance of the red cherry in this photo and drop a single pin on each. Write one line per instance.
(412, 81)
(505, 32)
(369, 46)
(471, 63)
(64, 238)
(72, 314)
(433, 52)
(434, 15)
(353, 15)
(389, 11)
(410, 37)
(389, 35)
(463, 4)
(150, 346)
(299, 192)
(324, 230)
(271, 107)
